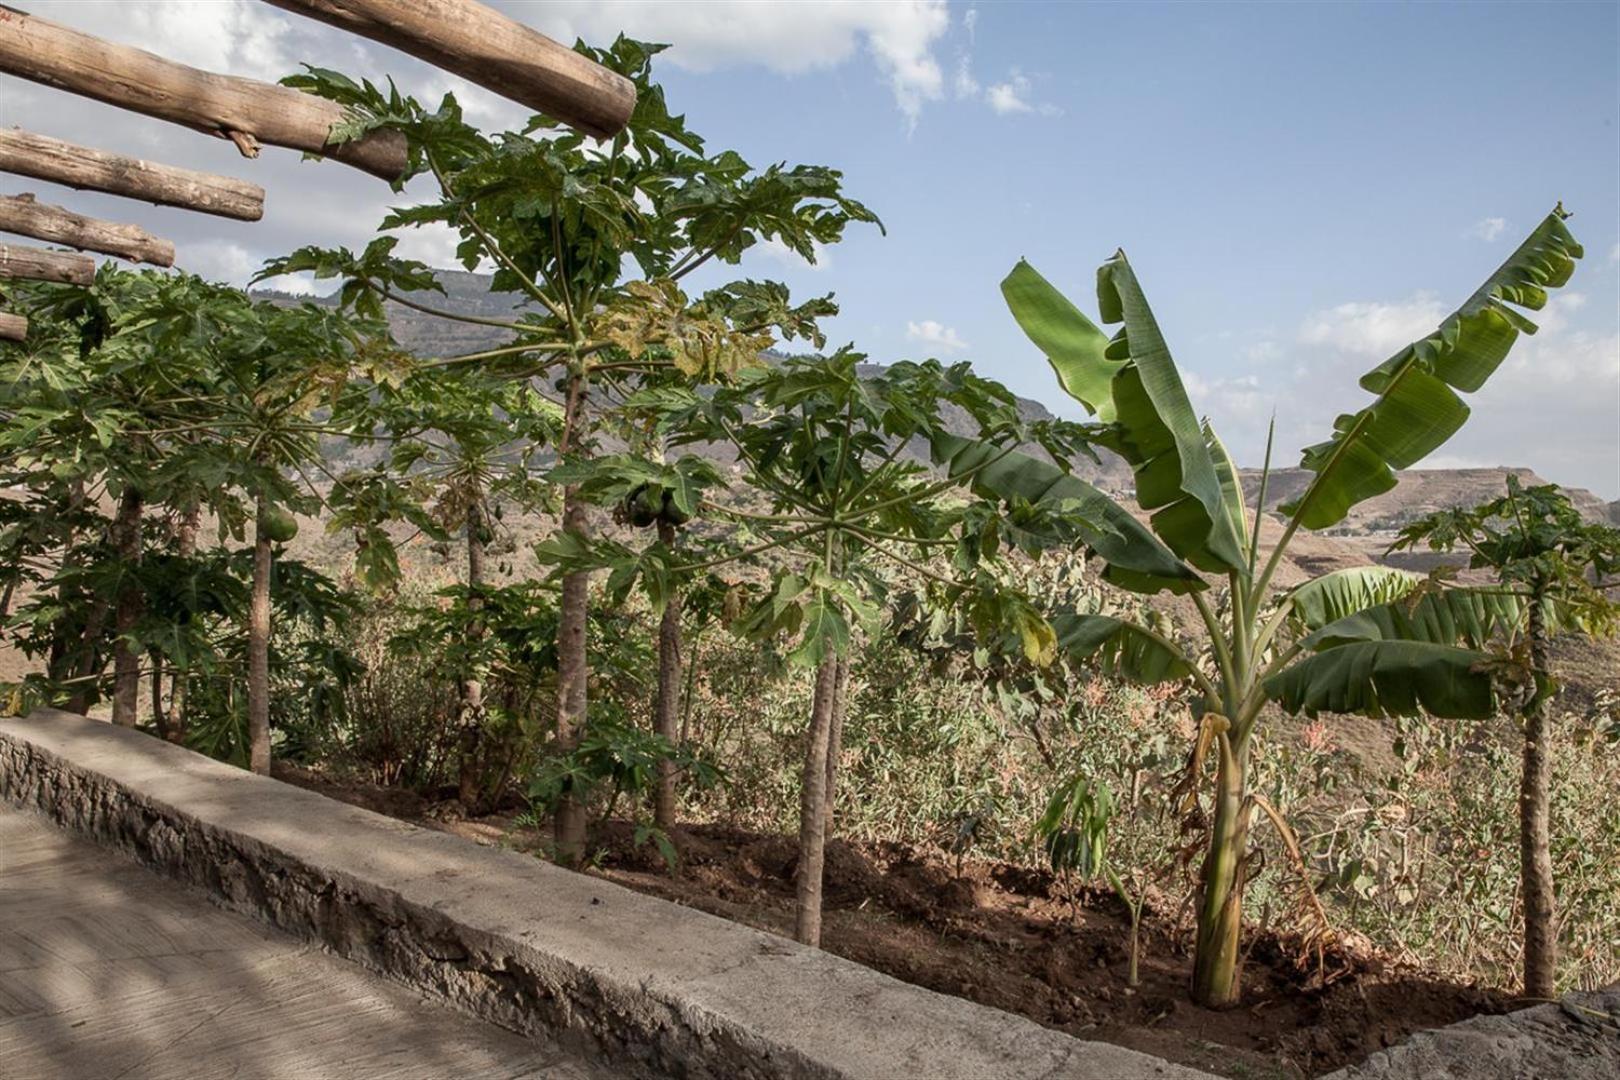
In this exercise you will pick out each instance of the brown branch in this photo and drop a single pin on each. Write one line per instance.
(45, 158)
(37, 264)
(12, 327)
(20, 214)
(492, 50)
(67, 59)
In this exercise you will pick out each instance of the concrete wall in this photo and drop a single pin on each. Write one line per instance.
(651, 987)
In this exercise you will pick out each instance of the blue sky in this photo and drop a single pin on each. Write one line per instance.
(1301, 188)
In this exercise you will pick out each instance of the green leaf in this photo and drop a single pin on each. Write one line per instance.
(1342, 593)
(1119, 648)
(1231, 486)
(1073, 344)
(1417, 408)
(1389, 678)
(1470, 617)
(1137, 560)
(1158, 433)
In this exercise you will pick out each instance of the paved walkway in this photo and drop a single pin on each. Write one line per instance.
(109, 971)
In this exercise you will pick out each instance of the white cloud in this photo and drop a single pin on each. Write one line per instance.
(1010, 96)
(1488, 229)
(778, 252)
(787, 38)
(1373, 328)
(1614, 254)
(218, 260)
(935, 335)
(1555, 316)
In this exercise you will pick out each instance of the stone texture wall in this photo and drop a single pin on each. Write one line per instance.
(649, 987)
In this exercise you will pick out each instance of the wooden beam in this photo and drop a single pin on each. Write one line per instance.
(37, 264)
(44, 158)
(12, 327)
(20, 214)
(245, 111)
(489, 49)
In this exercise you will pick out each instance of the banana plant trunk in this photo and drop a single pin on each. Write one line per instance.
(1220, 914)
(129, 604)
(667, 711)
(813, 804)
(573, 669)
(1535, 855)
(259, 645)
(469, 779)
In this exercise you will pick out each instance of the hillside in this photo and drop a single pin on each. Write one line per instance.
(1368, 529)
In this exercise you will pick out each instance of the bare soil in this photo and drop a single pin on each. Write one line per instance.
(1017, 939)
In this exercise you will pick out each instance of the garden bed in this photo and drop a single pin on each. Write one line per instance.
(1013, 938)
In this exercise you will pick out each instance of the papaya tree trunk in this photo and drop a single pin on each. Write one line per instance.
(667, 709)
(573, 670)
(1535, 852)
(469, 785)
(126, 659)
(1220, 912)
(835, 740)
(813, 804)
(259, 646)
(174, 721)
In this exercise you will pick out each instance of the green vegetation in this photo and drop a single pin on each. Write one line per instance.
(789, 592)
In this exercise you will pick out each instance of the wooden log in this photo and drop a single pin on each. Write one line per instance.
(45, 158)
(489, 49)
(20, 214)
(37, 264)
(245, 111)
(12, 327)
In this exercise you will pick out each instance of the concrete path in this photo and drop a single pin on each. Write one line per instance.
(109, 971)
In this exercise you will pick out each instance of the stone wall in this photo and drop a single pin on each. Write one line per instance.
(649, 987)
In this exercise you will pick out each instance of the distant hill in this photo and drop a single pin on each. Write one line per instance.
(1420, 491)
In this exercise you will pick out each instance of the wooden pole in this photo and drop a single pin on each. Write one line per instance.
(44, 158)
(12, 327)
(37, 264)
(20, 214)
(487, 48)
(245, 111)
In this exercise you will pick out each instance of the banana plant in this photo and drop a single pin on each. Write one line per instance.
(1318, 646)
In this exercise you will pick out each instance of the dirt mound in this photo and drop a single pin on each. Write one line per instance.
(1014, 938)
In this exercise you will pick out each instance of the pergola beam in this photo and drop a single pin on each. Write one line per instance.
(37, 264)
(44, 158)
(245, 111)
(489, 49)
(20, 214)
(12, 327)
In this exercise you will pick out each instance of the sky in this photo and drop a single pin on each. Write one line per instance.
(1301, 188)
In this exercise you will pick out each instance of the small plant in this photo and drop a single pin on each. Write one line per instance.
(620, 760)
(1074, 831)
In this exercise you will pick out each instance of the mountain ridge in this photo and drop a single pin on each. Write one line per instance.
(1419, 492)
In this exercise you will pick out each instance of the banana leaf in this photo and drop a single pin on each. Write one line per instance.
(1461, 616)
(1342, 593)
(1131, 382)
(1418, 408)
(1136, 559)
(1116, 647)
(1388, 678)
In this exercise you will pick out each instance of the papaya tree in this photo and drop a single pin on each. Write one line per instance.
(280, 374)
(828, 495)
(1554, 571)
(563, 221)
(1201, 540)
